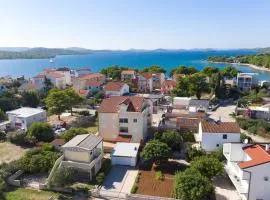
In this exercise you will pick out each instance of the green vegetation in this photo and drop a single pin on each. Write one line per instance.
(256, 95)
(192, 185)
(156, 151)
(72, 132)
(254, 126)
(105, 168)
(63, 176)
(193, 152)
(135, 185)
(159, 176)
(183, 70)
(41, 131)
(172, 138)
(188, 137)
(21, 138)
(3, 115)
(30, 99)
(39, 53)
(262, 60)
(154, 69)
(113, 72)
(59, 101)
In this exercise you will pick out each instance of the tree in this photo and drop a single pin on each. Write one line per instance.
(192, 185)
(184, 70)
(229, 72)
(172, 138)
(209, 71)
(63, 176)
(30, 99)
(181, 89)
(73, 98)
(193, 152)
(3, 115)
(113, 72)
(57, 102)
(72, 132)
(41, 131)
(208, 166)
(154, 69)
(197, 85)
(156, 151)
(47, 85)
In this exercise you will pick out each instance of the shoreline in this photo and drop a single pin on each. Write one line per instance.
(249, 65)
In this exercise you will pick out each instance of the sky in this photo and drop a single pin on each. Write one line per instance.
(139, 24)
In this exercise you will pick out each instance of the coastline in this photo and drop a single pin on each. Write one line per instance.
(249, 65)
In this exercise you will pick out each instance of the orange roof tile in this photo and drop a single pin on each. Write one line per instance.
(39, 76)
(93, 83)
(220, 127)
(91, 75)
(114, 86)
(121, 138)
(258, 156)
(128, 72)
(111, 105)
(55, 75)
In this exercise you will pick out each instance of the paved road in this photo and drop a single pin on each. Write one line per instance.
(119, 181)
(222, 113)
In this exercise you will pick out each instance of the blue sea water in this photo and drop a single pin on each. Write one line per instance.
(99, 60)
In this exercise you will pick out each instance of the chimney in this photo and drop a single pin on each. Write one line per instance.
(219, 118)
(246, 141)
(267, 147)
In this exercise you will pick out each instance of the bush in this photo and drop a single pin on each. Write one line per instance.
(188, 137)
(21, 138)
(63, 197)
(84, 113)
(192, 153)
(47, 147)
(72, 132)
(2, 136)
(159, 176)
(106, 166)
(244, 136)
(172, 138)
(100, 178)
(63, 176)
(134, 189)
(41, 131)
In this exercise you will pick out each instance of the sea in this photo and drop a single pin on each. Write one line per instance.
(136, 59)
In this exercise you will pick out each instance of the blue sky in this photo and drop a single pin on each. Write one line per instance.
(141, 24)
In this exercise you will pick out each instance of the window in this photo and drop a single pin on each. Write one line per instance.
(135, 120)
(123, 129)
(224, 136)
(123, 120)
(217, 145)
(265, 178)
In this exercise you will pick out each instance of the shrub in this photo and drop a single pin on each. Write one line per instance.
(172, 138)
(84, 113)
(18, 137)
(72, 132)
(64, 197)
(159, 176)
(134, 189)
(106, 166)
(2, 136)
(244, 136)
(188, 137)
(63, 176)
(47, 147)
(41, 131)
(192, 153)
(100, 178)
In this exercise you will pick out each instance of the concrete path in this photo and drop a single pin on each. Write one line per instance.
(223, 112)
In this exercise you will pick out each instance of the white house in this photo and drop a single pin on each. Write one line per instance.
(125, 154)
(181, 102)
(116, 89)
(212, 135)
(246, 81)
(84, 153)
(123, 118)
(128, 75)
(22, 118)
(248, 166)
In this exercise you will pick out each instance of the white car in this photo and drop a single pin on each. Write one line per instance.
(59, 131)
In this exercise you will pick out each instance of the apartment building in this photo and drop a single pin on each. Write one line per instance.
(124, 117)
(128, 75)
(248, 167)
(246, 81)
(116, 89)
(157, 79)
(168, 86)
(89, 81)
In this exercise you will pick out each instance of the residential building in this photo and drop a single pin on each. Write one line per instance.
(157, 79)
(144, 84)
(116, 89)
(123, 118)
(39, 80)
(196, 105)
(168, 86)
(81, 72)
(181, 102)
(189, 122)
(26, 87)
(89, 81)
(128, 75)
(125, 154)
(246, 81)
(57, 79)
(248, 167)
(67, 74)
(84, 153)
(23, 117)
(212, 135)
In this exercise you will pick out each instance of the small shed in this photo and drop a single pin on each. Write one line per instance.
(125, 154)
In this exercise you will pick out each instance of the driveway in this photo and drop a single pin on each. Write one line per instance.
(223, 113)
(119, 181)
(225, 190)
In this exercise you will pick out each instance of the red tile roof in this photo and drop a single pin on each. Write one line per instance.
(82, 93)
(121, 138)
(91, 76)
(128, 72)
(111, 105)
(55, 75)
(258, 156)
(93, 83)
(114, 86)
(169, 83)
(58, 142)
(39, 76)
(220, 127)
(147, 75)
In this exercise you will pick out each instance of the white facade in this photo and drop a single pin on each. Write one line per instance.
(124, 90)
(210, 141)
(144, 85)
(253, 182)
(246, 81)
(125, 154)
(181, 101)
(22, 118)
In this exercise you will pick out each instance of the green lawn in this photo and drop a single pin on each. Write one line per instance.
(29, 194)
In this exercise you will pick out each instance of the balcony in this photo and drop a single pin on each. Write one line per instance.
(239, 178)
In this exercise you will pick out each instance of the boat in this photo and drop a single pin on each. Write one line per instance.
(51, 60)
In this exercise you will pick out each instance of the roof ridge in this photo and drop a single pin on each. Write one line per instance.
(263, 149)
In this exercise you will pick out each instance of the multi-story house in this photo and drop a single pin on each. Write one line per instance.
(144, 85)
(248, 167)
(168, 86)
(39, 80)
(157, 79)
(212, 135)
(116, 89)
(128, 75)
(121, 116)
(22, 118)
(84, 153)
(89, 81)
(246, 81)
